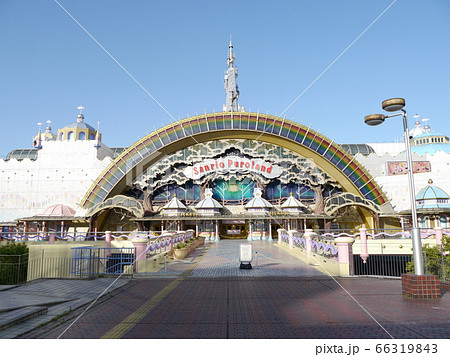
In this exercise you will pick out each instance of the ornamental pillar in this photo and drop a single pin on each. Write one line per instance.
(270, 230)
(363, 244)
(345, 255)
(140, 247)
(217, 231)
(308, 241)
(438, 235)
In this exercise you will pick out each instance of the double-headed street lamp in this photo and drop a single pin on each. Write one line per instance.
(394, 105)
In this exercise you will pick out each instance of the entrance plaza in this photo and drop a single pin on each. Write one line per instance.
(207, 296)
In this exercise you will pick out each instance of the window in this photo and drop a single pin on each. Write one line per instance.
(82, 136)
(70, 135)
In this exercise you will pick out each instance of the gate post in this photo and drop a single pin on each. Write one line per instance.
(308, 234)
(438, 235)
(51, 238)
(108, 239)
(291, 238)
(363, 244)
(345, 255)
(140, 245)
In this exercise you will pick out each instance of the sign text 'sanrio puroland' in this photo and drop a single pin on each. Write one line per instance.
(232, 164)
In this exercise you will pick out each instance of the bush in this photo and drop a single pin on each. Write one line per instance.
(180, 245)
(436, 260)
(13, 263)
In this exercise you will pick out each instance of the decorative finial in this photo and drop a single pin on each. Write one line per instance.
(80, 108)
(426, 127)
(430, 181)
(39, 126)
(48, 129)
(257, 192)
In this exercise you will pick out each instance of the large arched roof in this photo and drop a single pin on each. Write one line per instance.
(328, 155)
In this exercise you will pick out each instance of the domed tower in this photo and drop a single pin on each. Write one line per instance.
(433, 205)
(78, 130)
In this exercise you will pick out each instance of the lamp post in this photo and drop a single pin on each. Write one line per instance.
(394, 105)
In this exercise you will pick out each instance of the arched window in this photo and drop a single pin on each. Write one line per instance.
(60, 136)
(82, 135)
(91, 137)
(70, 135)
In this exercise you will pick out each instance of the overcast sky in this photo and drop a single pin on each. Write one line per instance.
(177, 51)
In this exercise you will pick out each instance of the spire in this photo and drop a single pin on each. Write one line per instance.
(230, 84)
(98, 137)
(80, 117)
(49, 128)
(230, 59)
(37, 143)
(426, 127)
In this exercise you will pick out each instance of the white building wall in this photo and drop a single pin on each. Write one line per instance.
(396, 187)
(62, 173)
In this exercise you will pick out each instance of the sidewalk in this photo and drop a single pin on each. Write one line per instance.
(207, 296)
(45, 300)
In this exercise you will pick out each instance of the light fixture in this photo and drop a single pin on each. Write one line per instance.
(374, 119)
(395, 105)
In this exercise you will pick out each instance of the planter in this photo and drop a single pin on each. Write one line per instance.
(180, 253)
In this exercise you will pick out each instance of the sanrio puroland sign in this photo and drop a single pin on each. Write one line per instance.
(232, 164)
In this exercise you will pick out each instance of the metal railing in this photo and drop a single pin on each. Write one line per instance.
(13, 269)
(91, 262)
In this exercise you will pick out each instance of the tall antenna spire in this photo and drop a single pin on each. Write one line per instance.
(230, 84)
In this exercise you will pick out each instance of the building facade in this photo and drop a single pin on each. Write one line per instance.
(232, 174)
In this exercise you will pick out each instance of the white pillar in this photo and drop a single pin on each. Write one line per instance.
(217, 231)
(270, 230)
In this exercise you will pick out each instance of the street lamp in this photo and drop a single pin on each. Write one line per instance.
(393, 105)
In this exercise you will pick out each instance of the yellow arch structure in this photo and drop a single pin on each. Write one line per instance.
(328, 155)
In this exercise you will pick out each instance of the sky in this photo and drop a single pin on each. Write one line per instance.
(176, 50)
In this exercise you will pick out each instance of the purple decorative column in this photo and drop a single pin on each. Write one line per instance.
(51, 238)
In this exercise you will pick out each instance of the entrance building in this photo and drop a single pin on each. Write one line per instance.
(235, 174)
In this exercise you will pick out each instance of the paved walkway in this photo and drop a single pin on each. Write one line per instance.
(208, 296)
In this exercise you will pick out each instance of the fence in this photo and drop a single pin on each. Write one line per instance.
(52, 236)
(90, 262)
(436, 261)
(13, 269)
(74, 259)
(381, 265)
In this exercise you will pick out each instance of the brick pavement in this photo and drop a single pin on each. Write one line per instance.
(282, 298)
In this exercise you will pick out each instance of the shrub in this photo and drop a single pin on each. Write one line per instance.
(180, 245)
(436, 259)
(13, 263)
